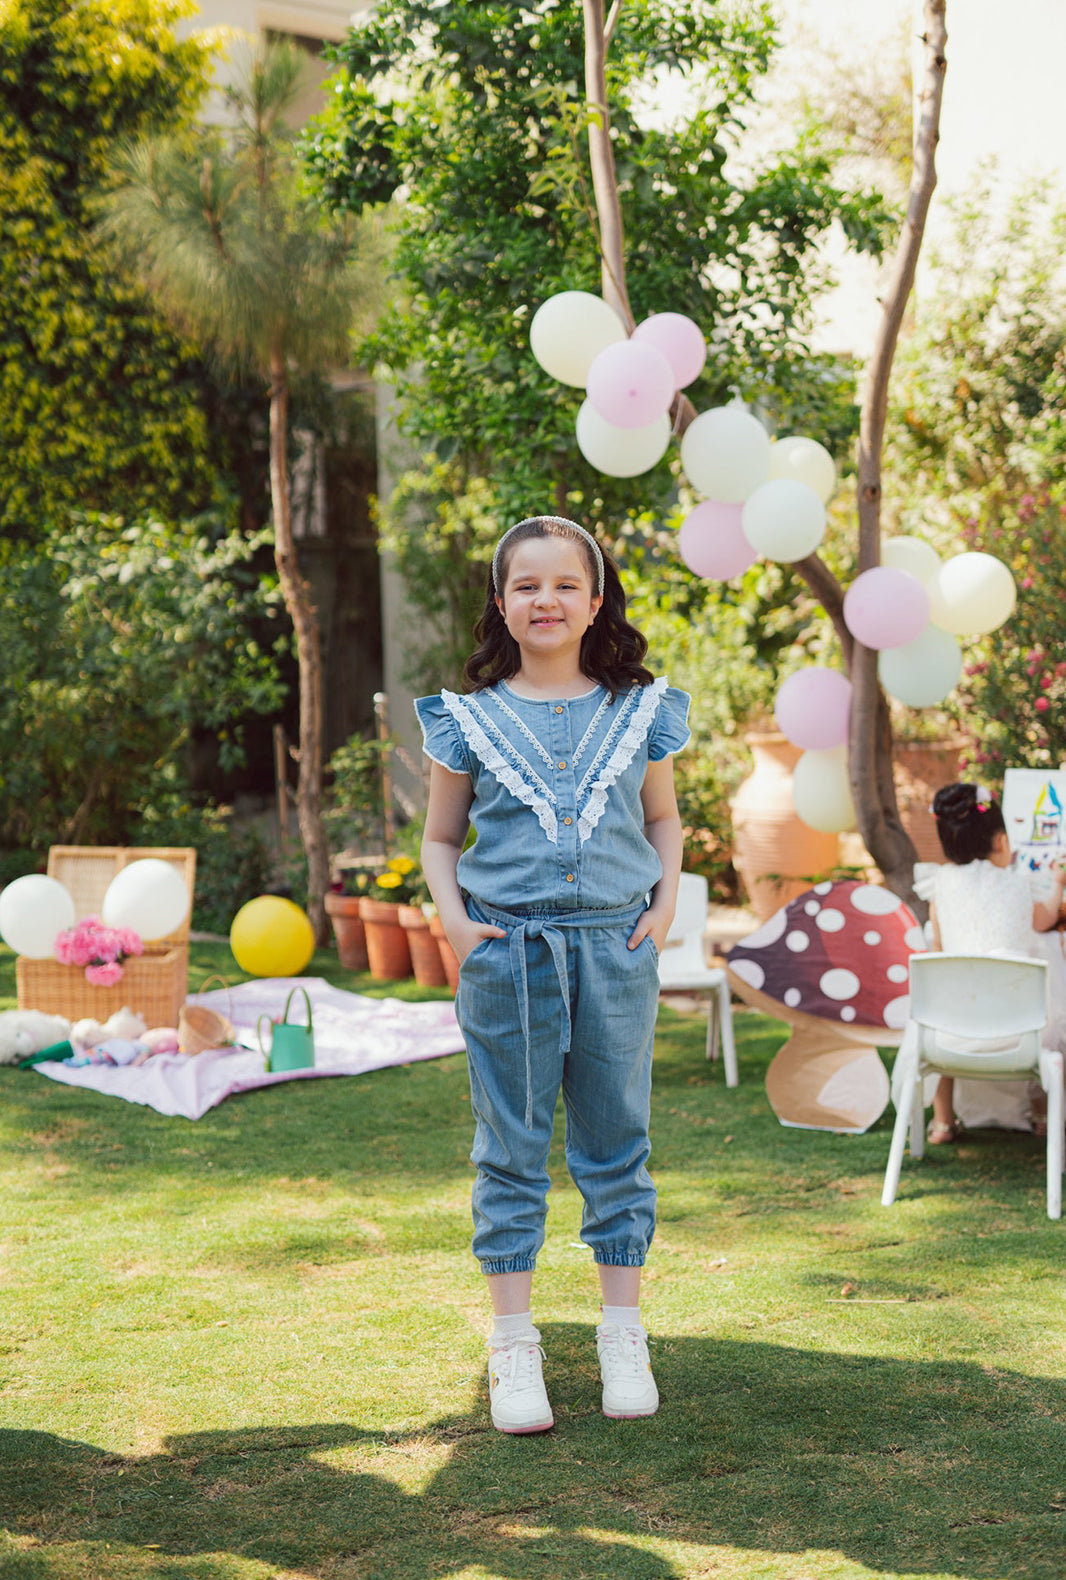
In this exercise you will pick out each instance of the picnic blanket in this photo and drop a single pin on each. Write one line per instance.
(353, 1034)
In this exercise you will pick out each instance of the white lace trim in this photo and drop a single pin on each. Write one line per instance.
(618, 725)
(535, 795)
(579, 749)
(635, 734)
(544, 755)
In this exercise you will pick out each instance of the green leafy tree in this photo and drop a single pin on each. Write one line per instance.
(218, 229)
(120, 643)
(101, 403)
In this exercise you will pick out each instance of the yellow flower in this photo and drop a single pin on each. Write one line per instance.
(402, 865)
(389, 880)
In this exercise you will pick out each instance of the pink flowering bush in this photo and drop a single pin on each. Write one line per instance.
(97, 949)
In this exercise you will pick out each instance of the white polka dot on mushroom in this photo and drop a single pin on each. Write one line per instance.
(797, 942)
(768, 933)
(822, 888)
(792, 997)
(848, 1012)
(897, 973)
(914, 938)
(871, 938)
(839, 983)
(872, 900)
(749, 971)
(897, 1012)
(831, 921)
(812, 907)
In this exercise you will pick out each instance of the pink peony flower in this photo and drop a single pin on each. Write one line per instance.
(104, 976)
(97, 950)
(1042, 704)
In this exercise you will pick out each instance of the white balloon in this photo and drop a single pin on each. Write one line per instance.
(149, 895)
(971, 594)
(33, 912)
(620, 452)
(805, 461)
(726, 453)
(921, 672)
(911, 555)
(821, 790)
(784, 520)
(568, 332)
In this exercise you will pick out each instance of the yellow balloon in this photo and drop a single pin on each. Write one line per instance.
(271, 937)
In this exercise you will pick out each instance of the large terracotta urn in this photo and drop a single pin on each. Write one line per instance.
(920, 769)
(776, 854)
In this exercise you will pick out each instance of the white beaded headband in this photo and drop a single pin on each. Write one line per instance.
(559, 521)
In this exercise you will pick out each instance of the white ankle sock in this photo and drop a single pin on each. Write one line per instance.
(507, 1329)
(624, 1316)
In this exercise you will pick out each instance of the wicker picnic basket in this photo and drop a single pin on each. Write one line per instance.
(154, 985)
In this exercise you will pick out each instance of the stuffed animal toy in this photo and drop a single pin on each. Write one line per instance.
(26, 1031)
(123, 1023)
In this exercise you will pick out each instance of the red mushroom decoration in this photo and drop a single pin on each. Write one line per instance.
(833, 964)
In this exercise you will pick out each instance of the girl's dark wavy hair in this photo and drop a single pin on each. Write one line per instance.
(612, 650)
(967, 831)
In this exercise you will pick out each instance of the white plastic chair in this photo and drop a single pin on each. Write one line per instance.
(683, 968)
(977, 1016)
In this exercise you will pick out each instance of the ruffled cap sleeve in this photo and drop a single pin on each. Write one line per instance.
(441, 740)
(669, 731)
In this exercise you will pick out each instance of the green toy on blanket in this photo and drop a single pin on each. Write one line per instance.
(27, 1037)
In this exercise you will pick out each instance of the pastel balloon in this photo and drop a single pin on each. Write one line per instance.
(922, 672)
(568, 332)
(631, 384)
(885, 607)
(680, 342)
(34, 910)
(805, 461)
(726, 453)
(271, 937)
(712, 543)
(784, 520)
(821, 791)
(813, 706)
(911, 554)
(620, 452)
(971, 594)
(149, 895)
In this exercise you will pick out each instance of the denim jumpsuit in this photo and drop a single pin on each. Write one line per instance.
(561, 863)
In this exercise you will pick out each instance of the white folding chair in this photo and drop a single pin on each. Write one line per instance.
(683, 968)
(977, 1016)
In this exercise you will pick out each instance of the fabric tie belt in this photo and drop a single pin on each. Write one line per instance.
(552, 928)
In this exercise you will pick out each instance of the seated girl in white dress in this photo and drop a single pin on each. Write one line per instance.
(982, 904)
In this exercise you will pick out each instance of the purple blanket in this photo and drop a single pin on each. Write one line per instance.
(352, 1034)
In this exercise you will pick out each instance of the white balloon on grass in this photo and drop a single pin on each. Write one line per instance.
(630, 384)
(805, 461)
(620, 452)
(921, 672)
(726, 453)
(568, 332)
(821, 790)
(912, 555)
(971, 594)
(34, 910)
(149, 896)
(784, 520)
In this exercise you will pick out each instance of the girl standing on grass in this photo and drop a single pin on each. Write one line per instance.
(560, 757)
(980, 904)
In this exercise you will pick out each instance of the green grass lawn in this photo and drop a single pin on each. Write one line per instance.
(253, 1346)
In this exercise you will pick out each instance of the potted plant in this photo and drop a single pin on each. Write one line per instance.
(413, 897)
(386, 938)
(342, 908)
(448, 957)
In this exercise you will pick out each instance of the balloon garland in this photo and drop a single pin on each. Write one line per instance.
(768, 497)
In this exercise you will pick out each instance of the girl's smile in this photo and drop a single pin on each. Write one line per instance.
(547, 594)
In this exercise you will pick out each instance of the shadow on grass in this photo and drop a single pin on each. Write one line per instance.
(912, 1467)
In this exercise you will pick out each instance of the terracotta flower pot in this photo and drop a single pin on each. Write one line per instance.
(425, 950)
(348, 930)
(776, 854)
(386, 940)
(448, 956)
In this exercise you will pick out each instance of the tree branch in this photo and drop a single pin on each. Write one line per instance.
(601, 158)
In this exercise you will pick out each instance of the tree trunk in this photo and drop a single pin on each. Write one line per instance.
(304, 616)
(870, 735)
(601, 158)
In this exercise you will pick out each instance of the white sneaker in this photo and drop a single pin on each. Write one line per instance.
(517, 1397)
(628, 1385)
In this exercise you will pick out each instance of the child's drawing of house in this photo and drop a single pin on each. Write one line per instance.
(1047, 817)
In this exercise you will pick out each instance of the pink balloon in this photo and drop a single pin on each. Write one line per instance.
(680, 342)
(630, 384)
(812, 708)
(886, 607)
(711, 542)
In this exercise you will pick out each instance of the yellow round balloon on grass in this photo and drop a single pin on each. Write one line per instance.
(271, 937)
